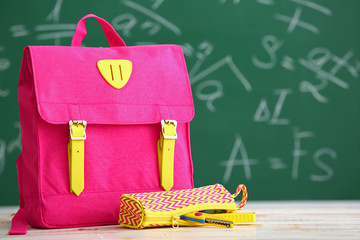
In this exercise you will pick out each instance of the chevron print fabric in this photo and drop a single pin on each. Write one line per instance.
(174, 200)
(131, 213)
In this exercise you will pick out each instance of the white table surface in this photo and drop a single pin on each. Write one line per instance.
(274, 220)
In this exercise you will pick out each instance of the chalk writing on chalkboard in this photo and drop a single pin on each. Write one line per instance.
(270, 45)
(55, 30)
(4, 92)
(2, 155)
(50, 31)
(295, 20)
(317, 157)
(203, 51)
(15, 144)
(125, 22)
(318, 57)
(263, 113)
(235, 2)
(4, 65)
(276, 163)
(318, 61)
(55, 13)
(216, 85)
(4, 62)
(156, 4)
(12, 146)
(244, 160)
(329, 172)
(239, 156)
(19, 30)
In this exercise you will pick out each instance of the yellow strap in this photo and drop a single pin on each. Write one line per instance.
(166, 148)
(76, 159)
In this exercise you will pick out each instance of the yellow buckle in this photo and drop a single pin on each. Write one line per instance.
(84, 123)
(163, 122)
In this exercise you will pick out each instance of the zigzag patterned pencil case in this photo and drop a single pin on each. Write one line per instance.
(158, 209)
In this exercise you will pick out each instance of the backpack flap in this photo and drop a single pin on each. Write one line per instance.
(70, 86)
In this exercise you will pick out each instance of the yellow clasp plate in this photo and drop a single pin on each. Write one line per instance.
(115, 72)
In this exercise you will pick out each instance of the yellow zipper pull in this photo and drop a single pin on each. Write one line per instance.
(174, 220)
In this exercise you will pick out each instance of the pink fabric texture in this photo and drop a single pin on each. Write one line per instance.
(18, 224)
(58, 84)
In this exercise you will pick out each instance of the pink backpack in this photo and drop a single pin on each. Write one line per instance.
(96, 123)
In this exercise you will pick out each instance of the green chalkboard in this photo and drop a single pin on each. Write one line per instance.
(275, 85)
